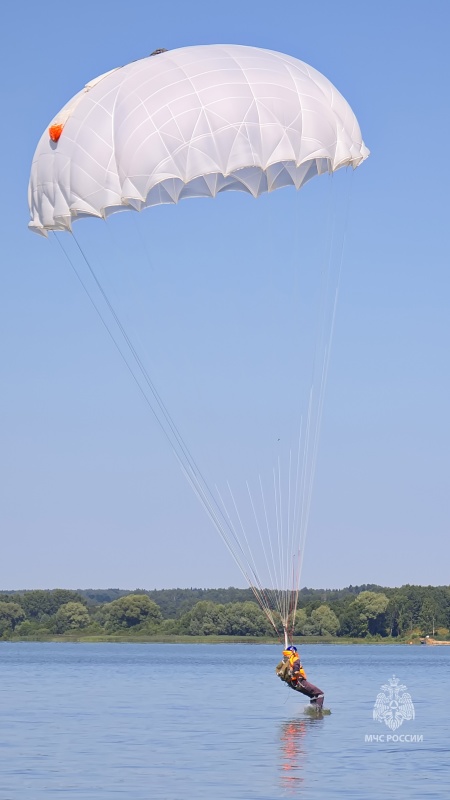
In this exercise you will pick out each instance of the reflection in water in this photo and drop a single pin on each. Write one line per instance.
(293, 752)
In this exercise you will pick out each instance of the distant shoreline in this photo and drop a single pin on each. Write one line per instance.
(357, 614)
(255, 640)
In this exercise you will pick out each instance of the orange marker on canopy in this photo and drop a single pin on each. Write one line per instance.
(55, 132)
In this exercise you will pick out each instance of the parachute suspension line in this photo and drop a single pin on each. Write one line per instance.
(106, 326)
(291, 594)
(251, 560)
(249, 564)
(226, 538)
(280, 574)
(280, 511)
(290, 559)
(295, 516)
(310, 445)
(290, 563)
(175, 432)
(328, 346)
(292, 550)
(167, 426)
(246, 565)
(304, 473)
(291, 545)
(291, 521)
(289, 541)
(282, 547)
(292, 487)
(277, 595)
(323, 343)
(188, 470)
(261, 538)
(307, 476)
(273, 594)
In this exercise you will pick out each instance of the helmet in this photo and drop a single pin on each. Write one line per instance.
(292, 648)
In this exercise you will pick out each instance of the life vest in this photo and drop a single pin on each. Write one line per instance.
(294, 664)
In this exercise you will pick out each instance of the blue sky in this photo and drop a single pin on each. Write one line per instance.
(91, 494)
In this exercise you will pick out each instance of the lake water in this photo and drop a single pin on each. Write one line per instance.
(172, 722)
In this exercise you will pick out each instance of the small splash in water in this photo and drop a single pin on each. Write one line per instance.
(313, 711)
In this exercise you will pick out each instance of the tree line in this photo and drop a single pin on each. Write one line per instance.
(367, 611)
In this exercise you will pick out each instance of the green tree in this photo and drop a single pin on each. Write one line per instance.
(26, 628)
(71, 616)
(324, 621)
(130, 611)
(398, 615)
(429, 615)
(171, 627)
(301, 619)
(205, 619)
(233, 619)
(11, 615)
(366, 615)
(245, 619)
(40, 602)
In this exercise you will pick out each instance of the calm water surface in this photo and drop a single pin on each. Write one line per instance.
(172, 722)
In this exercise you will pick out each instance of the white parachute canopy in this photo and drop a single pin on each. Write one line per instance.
(194, 122)
(190, 122)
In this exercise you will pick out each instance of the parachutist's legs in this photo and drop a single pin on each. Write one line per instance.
(311, 691)
(317, 701)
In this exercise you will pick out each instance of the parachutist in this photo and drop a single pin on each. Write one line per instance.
(291, 671)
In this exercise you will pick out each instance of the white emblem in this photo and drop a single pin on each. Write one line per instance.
(393, 704)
